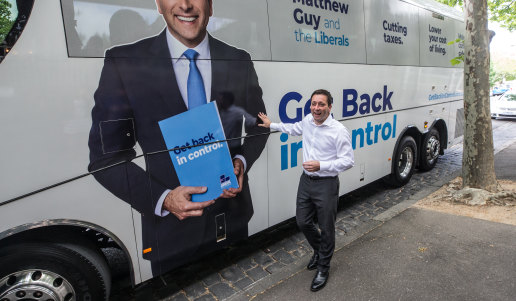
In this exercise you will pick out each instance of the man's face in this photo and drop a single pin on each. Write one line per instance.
(319, 108)
(186, 19)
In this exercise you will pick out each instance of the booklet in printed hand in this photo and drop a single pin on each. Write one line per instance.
(198, 159)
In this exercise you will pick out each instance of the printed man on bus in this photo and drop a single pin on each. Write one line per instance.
(145, 82)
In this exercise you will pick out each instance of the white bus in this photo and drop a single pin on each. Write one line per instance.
(84, 84)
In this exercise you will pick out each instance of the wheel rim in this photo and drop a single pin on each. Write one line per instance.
(405, 162)
(432, 149)
(35, 285)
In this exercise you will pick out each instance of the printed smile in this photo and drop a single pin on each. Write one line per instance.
(186, 19)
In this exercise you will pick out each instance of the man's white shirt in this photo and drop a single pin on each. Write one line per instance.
(328, 143)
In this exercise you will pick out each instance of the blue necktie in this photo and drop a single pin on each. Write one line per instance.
(195, 86)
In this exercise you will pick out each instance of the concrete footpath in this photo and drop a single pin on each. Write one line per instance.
(413, 253)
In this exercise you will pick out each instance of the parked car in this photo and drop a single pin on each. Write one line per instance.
(500, 90)
(504, 106)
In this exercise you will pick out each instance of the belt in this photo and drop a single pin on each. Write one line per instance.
(318, 177)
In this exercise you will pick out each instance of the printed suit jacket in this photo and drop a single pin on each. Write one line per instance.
(137, 89)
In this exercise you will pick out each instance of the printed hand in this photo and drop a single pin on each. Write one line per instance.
(266, 121)
(178, 202)
(238, 169)
(312, 166)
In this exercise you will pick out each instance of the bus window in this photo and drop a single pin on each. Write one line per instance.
(92, 27)
(13, 17)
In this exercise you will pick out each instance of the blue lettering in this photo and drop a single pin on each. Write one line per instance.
(377, 128)
(283, 108)
(354, 134)
(386, 135)
(308, 19)
(375, 107)
(307, 107)
(377, 103)
(349, 102)
(385, 130)
(394, 126)
(368, 130)
(387, 99)
(297, 18)
(365, 105)
(284, 152)
(294, 148)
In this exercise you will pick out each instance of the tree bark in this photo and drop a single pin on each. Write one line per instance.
(478, 155)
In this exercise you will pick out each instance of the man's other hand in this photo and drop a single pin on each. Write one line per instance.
(238, 169)
(266, 121)
(312, 166)
(178, 201)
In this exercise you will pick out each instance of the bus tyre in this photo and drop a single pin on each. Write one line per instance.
(430, 150)
(53, 271)
(404, 162)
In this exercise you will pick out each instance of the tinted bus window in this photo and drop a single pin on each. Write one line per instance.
(13, 17)
(92, 26)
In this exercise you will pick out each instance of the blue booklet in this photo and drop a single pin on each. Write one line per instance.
(199, 161)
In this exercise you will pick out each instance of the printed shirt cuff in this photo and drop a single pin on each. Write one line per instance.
(158, 211)
(243, 160)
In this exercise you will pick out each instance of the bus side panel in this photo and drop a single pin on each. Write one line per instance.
(374, 109)
(70, 205)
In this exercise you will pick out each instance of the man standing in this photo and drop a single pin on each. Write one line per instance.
(326, 152)
(154, 79)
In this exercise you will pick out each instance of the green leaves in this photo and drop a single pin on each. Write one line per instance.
(502, 11)
(455, 41)
(458, 59)
(451, 2)
(5, 19)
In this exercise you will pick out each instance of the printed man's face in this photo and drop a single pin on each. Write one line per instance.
(186, 19)
(319, 108)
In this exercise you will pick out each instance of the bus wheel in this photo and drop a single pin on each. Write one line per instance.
(430, 150)
(404, 162)
(53, 271)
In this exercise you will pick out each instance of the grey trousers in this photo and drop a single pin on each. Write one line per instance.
(318, 197)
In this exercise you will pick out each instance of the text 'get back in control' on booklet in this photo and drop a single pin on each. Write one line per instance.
(201, 155)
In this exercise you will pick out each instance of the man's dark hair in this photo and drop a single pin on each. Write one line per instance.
(323, 92)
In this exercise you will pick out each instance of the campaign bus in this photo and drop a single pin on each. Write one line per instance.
(99, 144)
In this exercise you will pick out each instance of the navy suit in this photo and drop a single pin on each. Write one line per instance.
(137, 89)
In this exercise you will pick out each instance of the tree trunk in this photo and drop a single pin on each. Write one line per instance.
(478, 156)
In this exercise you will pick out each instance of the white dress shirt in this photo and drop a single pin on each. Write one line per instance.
(328, 143)
(182, 65)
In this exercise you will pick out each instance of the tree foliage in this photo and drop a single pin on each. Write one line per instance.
(496, 77)
(502, 11)
(5, 19)
(458, 59)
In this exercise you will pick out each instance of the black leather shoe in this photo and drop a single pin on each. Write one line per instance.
(319, 281)
(312, 264)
